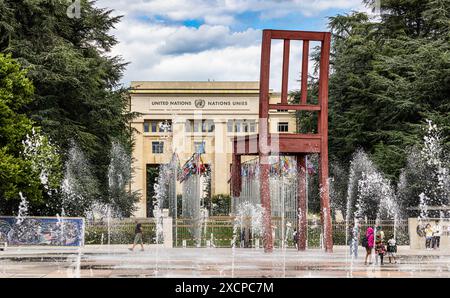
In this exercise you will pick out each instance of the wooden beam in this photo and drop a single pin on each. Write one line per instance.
(285, 72)
(236, 179)
(297, 35)
(323, 130)
(300, 107)
(304, 78)
(263, 138)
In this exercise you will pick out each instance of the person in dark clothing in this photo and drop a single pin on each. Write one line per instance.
(242, 244)
(295, 234)
(138, 236)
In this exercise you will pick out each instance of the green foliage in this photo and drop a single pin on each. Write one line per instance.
(220, 204)
(120, 233)
(338, 187)
(426, 174)
(44, 158)
(16, 173)
(388, 77)
(77, 96)
(119, 177)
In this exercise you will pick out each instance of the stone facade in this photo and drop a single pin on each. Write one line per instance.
(196, 112)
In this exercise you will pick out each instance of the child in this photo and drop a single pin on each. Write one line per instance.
(392, 250)
(380, 248)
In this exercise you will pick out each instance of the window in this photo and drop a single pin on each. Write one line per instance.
(158, 126)
(245, 126)
(199, 126)
(237, 126)
(146, 126)
(207, 126)
(154, 126)
(199, 147)
(252, 125)
(157, 147)
(188, 125)
(230, 125)
(283, 126)
(165, 126)
(241, 126)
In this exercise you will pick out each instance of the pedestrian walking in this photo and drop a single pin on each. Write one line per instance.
(295, 235)
(138, 233)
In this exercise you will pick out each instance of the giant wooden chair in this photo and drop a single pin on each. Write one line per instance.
(265, 143)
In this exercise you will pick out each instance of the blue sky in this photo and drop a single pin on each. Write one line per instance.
(211, 39)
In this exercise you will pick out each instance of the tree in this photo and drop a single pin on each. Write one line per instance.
(77, 96)
(426, 178)
(220, 204)
(388, 77)
(16, 173)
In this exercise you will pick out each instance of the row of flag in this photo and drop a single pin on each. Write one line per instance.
(194, 165)
(283, 165)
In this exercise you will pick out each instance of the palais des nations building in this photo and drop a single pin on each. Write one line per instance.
(182, 116)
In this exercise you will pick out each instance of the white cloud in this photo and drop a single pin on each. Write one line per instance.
(222, 12)
(192, 40)
(156, 53)
(170, 51)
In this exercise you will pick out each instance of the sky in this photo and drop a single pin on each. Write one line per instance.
(201, 40)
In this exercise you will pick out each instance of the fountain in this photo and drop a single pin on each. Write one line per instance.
(283, 192)
(79, 188)
(369, 196)
(424, 186)
(44, 158)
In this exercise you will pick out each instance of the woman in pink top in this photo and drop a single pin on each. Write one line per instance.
(370, 242)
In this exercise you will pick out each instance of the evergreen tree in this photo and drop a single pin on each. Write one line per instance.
(388, 77)
(77, 96)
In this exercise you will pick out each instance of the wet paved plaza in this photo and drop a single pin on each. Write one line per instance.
(118, 261)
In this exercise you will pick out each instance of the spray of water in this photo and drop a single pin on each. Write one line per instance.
(23, 209)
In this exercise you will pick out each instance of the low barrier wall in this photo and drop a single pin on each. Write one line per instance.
(417, 236)
(52, 231)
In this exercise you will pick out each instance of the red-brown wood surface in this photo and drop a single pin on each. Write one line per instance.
(296, 107)
(296, 35)
(285, 72)
(236, 178)
(265, 143)
(278, 143)
(323, 129)
(304, 80)
(263, 138)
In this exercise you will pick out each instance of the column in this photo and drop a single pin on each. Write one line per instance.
(220, 157)
(139, 166)
(179, 144)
